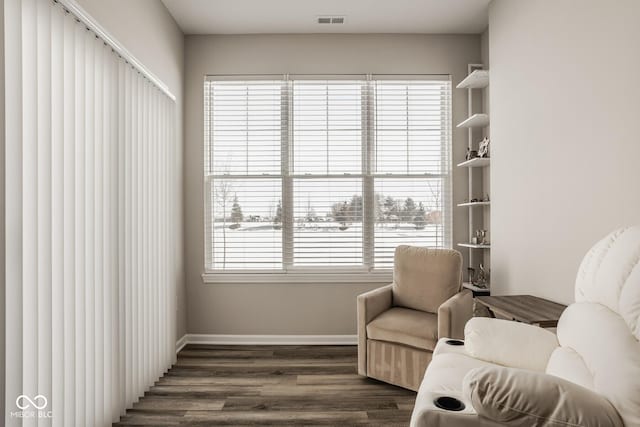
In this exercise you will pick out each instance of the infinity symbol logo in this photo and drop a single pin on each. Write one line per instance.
(33, 403)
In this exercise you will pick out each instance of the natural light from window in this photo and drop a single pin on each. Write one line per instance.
(322, 174)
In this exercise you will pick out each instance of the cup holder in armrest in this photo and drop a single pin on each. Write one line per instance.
(449, 403)
(455, 342)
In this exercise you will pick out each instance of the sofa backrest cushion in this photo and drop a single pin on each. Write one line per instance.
(610, 275)
(424, 278)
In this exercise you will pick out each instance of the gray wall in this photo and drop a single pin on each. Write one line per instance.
(149, 32)
(565, 104)
(299, 308)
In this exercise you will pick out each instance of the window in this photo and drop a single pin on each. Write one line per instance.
(323, 174)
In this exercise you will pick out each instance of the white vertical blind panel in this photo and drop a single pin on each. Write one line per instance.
(57, 218)
(138, 367)
(30, 202)
(128, 235)
(119, 244)
(108, 268)
(89, 230)
(14, 225)
(80, 304)
(70, 282)
(43, 71)
(91, 170)
(99, 255)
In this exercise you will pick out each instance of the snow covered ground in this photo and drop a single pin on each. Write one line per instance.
(257, 245)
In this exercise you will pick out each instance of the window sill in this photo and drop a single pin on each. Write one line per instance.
(298, 277)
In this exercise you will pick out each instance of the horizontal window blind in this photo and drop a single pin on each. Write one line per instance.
(305, 173)
(411, 163)
(92, 224)
(244, 174)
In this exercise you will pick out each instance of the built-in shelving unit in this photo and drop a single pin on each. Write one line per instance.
(478, 162)
(477, 79)
(476, 123)
(479, 120)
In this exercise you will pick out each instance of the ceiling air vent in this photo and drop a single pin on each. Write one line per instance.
(331, 19)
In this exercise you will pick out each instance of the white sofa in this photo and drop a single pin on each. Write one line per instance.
(509, 373)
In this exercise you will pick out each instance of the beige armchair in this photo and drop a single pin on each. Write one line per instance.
(400, 324)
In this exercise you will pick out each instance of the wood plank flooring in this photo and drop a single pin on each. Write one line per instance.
(269, 385)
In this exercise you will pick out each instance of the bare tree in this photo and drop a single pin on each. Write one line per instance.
(435, 210)
(224, 196)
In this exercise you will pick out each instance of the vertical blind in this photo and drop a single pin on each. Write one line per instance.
(325, 172)
(91, 220)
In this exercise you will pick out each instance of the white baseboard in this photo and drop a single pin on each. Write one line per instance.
(266, 340)
(181, 343)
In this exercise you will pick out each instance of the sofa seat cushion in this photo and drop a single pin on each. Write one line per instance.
(405, 326)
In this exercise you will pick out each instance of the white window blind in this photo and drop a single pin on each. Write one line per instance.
(92, 189)
(307, 173)
(411, 165)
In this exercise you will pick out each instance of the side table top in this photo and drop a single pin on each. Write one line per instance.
(524, 308)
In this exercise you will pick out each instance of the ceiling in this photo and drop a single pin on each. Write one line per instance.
(300, 16)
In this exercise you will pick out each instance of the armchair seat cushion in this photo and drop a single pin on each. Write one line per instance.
(405, 326)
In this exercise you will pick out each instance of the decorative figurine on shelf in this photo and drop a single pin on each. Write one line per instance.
(471, 154)
(481, 237)
(483, 148)
(471, 272)
(482, 278)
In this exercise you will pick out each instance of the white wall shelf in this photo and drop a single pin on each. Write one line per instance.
(477, 162)
(474, 288)
(478, 79)
(471, 204)
(474, 246)
(478, 120)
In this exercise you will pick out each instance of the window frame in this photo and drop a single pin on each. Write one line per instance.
(367, 272)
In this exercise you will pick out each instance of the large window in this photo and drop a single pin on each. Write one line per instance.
(322, 174)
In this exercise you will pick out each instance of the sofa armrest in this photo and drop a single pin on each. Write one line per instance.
(370, 305)
(509, 343)
(516, 397)
(454, 313)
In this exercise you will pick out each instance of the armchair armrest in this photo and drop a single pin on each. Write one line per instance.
(454, 313)
(509, 343)
(370, 305)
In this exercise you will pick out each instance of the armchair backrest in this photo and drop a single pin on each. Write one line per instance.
(424, 278)
(599, 333)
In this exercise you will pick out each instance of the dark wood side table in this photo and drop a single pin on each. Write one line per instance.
(524, 308)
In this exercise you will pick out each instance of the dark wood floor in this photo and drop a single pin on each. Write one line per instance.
(275, 385)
